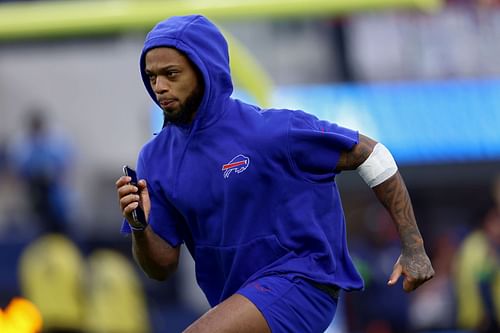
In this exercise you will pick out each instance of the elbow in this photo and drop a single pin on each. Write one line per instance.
(157, 276)
(162, 273)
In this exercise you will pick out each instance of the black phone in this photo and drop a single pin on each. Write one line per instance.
(138, 213)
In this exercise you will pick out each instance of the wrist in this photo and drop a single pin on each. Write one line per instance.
(413, 249)
(137, 227)
(412, 240)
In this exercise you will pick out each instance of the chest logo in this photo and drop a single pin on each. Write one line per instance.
(238, 164)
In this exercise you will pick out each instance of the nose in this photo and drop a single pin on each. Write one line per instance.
(161, 85)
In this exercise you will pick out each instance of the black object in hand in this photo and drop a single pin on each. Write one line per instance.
(137, 214)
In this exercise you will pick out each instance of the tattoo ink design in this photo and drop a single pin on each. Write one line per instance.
(416, 264)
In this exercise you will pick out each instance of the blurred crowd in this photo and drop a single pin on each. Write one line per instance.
(464, 295)
(77, 288)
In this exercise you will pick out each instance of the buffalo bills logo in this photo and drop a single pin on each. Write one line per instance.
(238, 164)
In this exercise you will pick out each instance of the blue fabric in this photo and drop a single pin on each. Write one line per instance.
(291, 305)
(250, 192)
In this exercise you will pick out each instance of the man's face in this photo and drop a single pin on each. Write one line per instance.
(175, 82)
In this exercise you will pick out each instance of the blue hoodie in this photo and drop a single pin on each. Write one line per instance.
(250, 192)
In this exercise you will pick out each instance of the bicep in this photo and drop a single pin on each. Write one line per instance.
(351, 159)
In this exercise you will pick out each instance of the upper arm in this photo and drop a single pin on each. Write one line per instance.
(315, 146)
(170, 255)
(351, 159)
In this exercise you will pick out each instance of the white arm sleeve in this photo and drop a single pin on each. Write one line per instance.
(378, 167)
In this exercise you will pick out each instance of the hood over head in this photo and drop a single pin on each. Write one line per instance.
(202, 42)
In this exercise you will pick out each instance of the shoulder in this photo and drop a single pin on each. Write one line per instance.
(278, 118)
(276, 124)
(296, 119)
(257, 120)
(252, 109)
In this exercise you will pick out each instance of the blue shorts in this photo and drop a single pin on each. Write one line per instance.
(291, 304)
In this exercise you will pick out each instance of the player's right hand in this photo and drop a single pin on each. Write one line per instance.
(130, 197)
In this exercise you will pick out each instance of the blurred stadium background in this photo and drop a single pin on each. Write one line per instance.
(422, 76)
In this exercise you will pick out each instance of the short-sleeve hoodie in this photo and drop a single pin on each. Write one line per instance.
(250, 192)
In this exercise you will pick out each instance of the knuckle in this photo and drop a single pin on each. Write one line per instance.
(119, 181)
(126, 200)
(125, 190)
(121, 190)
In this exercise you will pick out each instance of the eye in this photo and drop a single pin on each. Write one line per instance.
(151, 77)
(171, 73)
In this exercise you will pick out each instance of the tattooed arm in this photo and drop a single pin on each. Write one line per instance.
(413, 262)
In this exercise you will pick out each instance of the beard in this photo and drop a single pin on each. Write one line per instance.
(186, 110)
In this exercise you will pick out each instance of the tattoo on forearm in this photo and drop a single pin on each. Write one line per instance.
(394, 196)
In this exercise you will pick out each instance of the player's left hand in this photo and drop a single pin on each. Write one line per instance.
(416, 269)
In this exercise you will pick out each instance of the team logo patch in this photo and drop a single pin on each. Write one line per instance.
(238, 164)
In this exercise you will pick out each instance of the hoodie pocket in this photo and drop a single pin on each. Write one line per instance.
(221, 270)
